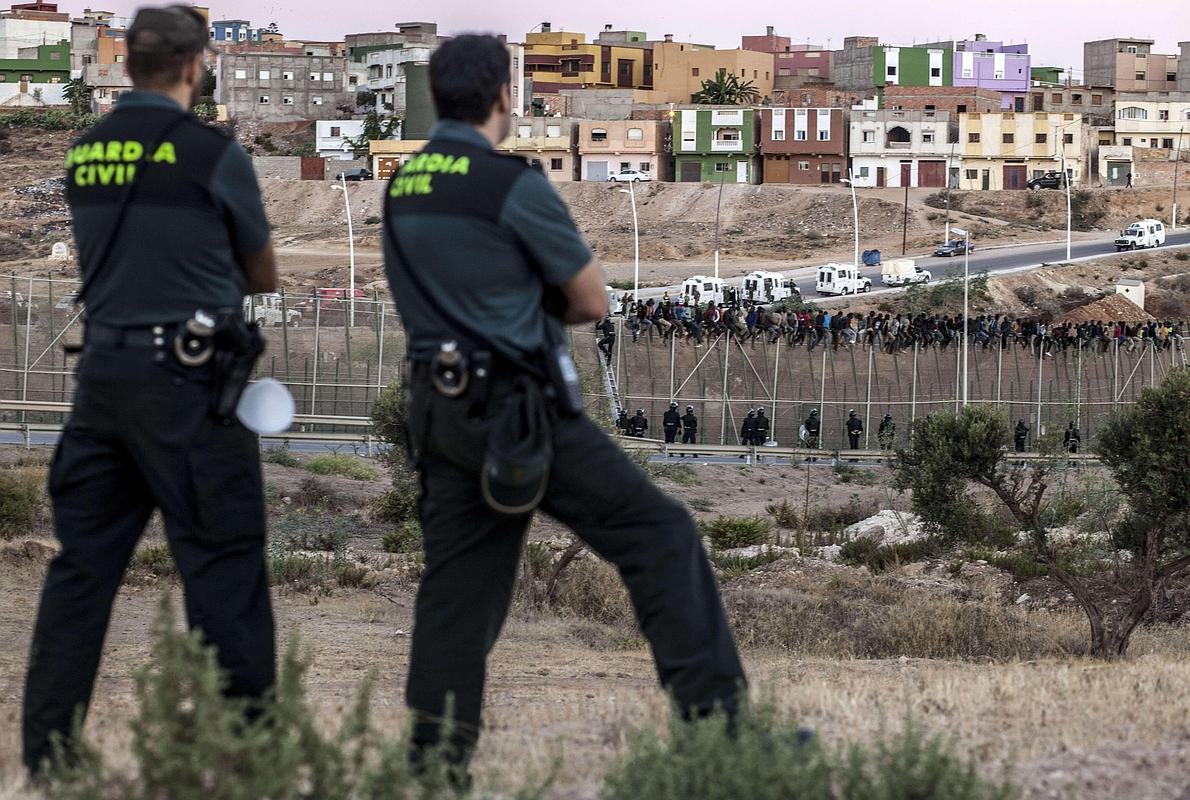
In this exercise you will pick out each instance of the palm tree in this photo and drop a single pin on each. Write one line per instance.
(78, 94)
(726, 90)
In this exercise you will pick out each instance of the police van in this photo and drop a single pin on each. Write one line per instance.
(1146, 233)
(702, 289)
(840, 279)
(903, 271)
(768, 287)
(269, 311)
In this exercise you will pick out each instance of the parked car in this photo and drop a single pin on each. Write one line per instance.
(1050, 180)
(355, 174)
(707, 289)
(768, 287)
(1146, 233)
(629, 176)
(903, 271)
(955, 247)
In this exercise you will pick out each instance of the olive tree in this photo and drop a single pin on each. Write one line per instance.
(1145, 446)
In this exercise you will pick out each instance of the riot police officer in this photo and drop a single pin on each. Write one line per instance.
(813, 426)
(1020, 434)
(466, 227)
(639, 424)
(887, 432)
(855, 427)
(607, 337)
(748, 429)
(689, 426)
(1071, 439)
(671, 420)
(622, 423)
(168, 220)
(760, 433)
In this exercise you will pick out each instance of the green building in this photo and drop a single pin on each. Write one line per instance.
(714, 144)
(1048, 76)
(864, 64)
(46, 63)
(419, 107)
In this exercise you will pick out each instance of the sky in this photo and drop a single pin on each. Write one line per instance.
(1054, 31)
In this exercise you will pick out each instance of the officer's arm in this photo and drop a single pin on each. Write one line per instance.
(260, 271)
(586, 297)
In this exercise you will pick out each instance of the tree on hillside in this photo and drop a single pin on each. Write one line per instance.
(376, 128)
(726, 90)
(78, 94)
(1145, 447)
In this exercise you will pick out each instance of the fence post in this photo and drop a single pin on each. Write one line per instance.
(868, 411)
(380, 352)
(285, 333)
(1040, 362)
(913, 391)
(317, 329)
(723, 416)
(28, 336)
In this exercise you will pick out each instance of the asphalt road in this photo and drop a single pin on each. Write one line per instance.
(995, 261)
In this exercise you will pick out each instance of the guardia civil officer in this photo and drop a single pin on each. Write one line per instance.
(639, 424)
(855, 427)
(168, 222)
(671, 420)
(760, 433)
(813, 426)
(748, 429)
(1019, 435)
(689, 426)
(1071, 439)
(467, 227)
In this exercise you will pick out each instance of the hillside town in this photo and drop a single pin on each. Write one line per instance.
(623, 105)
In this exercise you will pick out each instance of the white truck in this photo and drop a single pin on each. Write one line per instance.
(840, 279)
(902, 272)
(768, 287)
(1146, 233)
(702, 289)
(269, 311)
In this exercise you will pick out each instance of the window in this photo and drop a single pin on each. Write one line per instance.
(694, 71)
(722, 166)
(1096, 99)
(961, 108)
(625, 166)
(1167, 144)
(824, 134)
(316, 100)
(264, 100)
(779, 136)
(1040, 138)
(973, 138)
(972, 174)
(1130, 48)
(524, 131)
(935, 72)
(727, 135)
(600, 134)
(1127, 141)
(1163, 115)
(287, 75)
(388, 70)
(1171, 77)
(869, 137)
(892, 72)
(1056, 98)
(314, 76)
(646, 166)
(927, 137)
(1068, 138)
(336, 130)
(863, 172)
(328, 76)
(1140, 76)
(1076, 99)
(553, 131)
(636, 134)
(555, 165)
(286, 101)
(241, 74)
(1133, 112)
(1009, 138)
(800, 135)
(55, 56)
(803, 166)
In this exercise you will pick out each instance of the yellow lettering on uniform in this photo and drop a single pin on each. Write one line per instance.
(165, 153)
(434, 163)
(70, 158)
(133, 151)
(96, 152)
(461, 167)
(129, 172)
(106, 171)
(114, 151)
(80, 176)
(446, 162)
(423, 184)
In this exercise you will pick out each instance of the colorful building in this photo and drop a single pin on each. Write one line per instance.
(606, 147)
(715, 144)
(1006, 150)
(863, 63)
(680, 69)
(27, 25)
(234, 31)
(903, 148)
(1129, 65)
(803, 145)
(557, 60)
(545, 141)
(984, 64)
(47, 63)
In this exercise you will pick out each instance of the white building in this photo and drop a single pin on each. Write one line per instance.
(331, 137)
(386, 74)
(899, 148)
(516, 79)
(20, 29)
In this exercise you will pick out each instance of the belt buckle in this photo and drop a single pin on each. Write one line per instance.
(448, 371)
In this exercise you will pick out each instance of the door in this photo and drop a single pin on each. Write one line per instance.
(1015, 176)
(776, 170)
(313, 168)
(597, 170)
(906, 173)
(987, 179)
(1117, 173)
(691, 172)
(741, 172)
(881, 180)
(931, 173)
(624, 73)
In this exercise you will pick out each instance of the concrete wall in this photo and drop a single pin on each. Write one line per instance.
(1184, 67)
(334, 166)
(852, 68)
(287, 167)
(51, 93)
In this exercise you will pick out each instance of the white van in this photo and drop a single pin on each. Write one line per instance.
(708, 290)
(768, 287)
(902, 272)
(839, 279)
(1146, 233)
(268, 310)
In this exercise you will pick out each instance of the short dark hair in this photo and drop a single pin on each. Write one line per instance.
(161, 42)
(466, 76)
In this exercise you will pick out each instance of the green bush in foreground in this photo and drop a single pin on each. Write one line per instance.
(342, 464)
(405, 538)
(771, 759)
(20, 497)
(726, 533)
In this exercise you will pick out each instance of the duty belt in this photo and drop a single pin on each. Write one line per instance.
(102, 335)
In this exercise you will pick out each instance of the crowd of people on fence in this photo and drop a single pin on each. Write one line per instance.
(748, 321)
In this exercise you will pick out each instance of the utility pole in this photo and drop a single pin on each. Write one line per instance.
(1177, 164)
(905, 220)
(718, 204)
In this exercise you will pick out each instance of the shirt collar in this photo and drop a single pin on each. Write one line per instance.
(456, 131)
(139, 98)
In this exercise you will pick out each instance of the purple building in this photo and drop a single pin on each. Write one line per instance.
(996, 66)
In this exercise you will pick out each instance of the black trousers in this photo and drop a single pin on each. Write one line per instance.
(671, 433)
(853, 440)
(140, 438)
(472, 554)
(689, 435)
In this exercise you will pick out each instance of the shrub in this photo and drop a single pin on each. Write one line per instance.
(342, 464)
(302, 529)
(313, 493)
(849, 474)
(681, 474)
(867, 552)
(726, 533)
(733, 566)
(21, 497)
(783, 514)
(153, 559)
(1182, 255)
(700, 504)
(405, 538)
(764, 756)
(389, 415)
(280, 455)
(400, 502)
(591, 589)
(372, 220)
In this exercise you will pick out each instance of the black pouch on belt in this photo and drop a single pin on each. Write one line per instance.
(238, 344)
(516, 466)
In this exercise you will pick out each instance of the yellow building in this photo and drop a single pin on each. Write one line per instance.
(680, 68)
(564, 60)
(547, 142)
(390, 155)
(1006, 150)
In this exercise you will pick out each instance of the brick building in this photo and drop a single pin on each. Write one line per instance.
(953, 99)
(803, 145)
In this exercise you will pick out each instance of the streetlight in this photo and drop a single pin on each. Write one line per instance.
(718, 204)
(966, 320)
(850, 181)
(1177, 162)
(630, 191)
(342, 185)
(1061, 145)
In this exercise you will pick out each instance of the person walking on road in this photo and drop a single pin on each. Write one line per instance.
(496, 422)
(171, 235)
